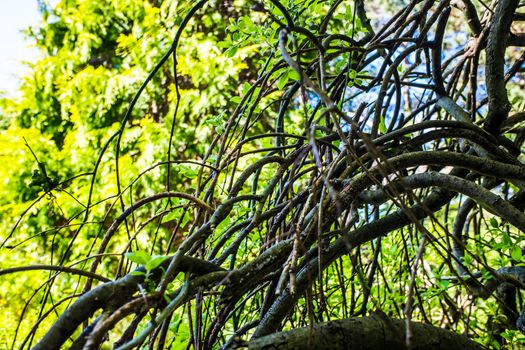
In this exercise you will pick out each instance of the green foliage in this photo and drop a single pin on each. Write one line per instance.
(143, 258)
(94, 57)
(88, 154)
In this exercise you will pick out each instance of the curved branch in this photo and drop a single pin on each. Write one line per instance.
(271, 321)
(55, 268)
(110, 295)
(499, 105)
(494, 203)
(373, 333)
(114, 226)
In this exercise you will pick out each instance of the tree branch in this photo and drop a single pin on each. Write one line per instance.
(499, 105)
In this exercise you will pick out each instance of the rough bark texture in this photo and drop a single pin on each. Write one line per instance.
(372, 333)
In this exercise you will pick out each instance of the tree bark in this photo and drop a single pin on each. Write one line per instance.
(372, 333)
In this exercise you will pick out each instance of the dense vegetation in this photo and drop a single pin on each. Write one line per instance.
(207, 174)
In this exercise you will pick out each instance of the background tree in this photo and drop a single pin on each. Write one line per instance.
(208, 174)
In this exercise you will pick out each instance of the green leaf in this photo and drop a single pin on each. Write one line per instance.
(246, 86)
(515, 253)
(393, 249)
(174, 214)
(185, 219)
(505, 238)
(294, 75)
(235, 99)
(137, 273)
(187, 171)
(231, 51)
(283, 80)
(466, 260)
(382, 125)
(444, 284)
(493, 222)
(155, 262)
(138, 257)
